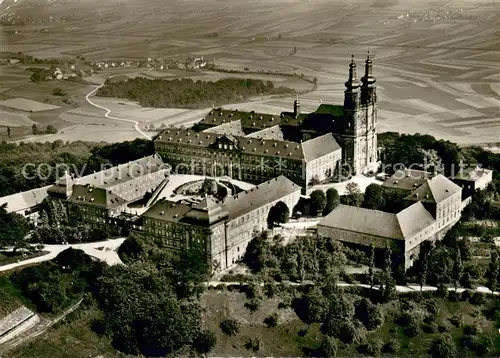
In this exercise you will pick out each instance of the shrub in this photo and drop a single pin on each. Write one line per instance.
(270, 291)
(430, 328)
(205, 342)
(443, 347)
(328, 347)
(369, 314)
(272, 320)
(371, 348)
(443, 328)
(253, 305)
(253, 291)
(254, 344)
(432, 306)
(349, 333)
(230, 327)
(478, 298)
(471, 330)
(483, 345)
(392, 346)
(412, 329)
(456, 321)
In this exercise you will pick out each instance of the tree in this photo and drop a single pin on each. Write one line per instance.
(58, 92)
(13, 229)
(230, 327)
(205, 342)
(281, 212)
(8, 132)
(369, 314)
(332, 200)
(131, 249)
(316, 305)
(51, 129)
(443, 347)
(374, 197)
(422, 273)
(34, 129)
(141, 312)
(458, 269)
(389, 288)
(318, 201)
(328, 347)
(493, 271)
(371, 265)
(353, 195)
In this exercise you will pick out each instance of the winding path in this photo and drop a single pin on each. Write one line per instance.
(108, 253)
(108, 111)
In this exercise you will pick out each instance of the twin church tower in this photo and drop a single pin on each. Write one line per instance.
(358, 133)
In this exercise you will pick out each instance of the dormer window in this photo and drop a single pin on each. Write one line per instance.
(231, 147)
(220, 146)
(225, 146)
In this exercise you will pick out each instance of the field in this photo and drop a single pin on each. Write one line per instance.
(438, 72)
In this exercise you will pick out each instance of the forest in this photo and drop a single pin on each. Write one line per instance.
(188, 93)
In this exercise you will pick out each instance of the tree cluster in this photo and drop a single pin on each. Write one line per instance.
(53, 286)
(186, 92)
(306, 258)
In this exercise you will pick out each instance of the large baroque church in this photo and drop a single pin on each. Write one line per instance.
(305, 147)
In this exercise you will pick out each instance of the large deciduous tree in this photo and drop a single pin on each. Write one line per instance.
(318, 201)
(332, 200)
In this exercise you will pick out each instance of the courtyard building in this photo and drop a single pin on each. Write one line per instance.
(434, 205)
(102, 197)
(221, 228)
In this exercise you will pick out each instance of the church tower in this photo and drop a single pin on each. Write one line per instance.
(296, 107)
(369, 112)
(352, 130)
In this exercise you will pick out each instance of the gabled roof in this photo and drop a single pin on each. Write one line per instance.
(25, 200)
(472, 174)
(233, 128)
(435, 190)
(364, 221)
(260, 195)
(407, 179)
(414, 219)
(331, 109)
(273, 133)
(94, 196)
(319, 147)
(399, 226)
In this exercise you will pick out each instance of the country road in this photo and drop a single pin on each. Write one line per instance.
(108, 111)
(108, 253)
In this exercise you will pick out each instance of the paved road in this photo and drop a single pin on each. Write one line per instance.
(108, 253)
(108, 111)
(408, 288)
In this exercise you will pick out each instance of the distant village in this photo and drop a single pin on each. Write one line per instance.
(62, 69)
